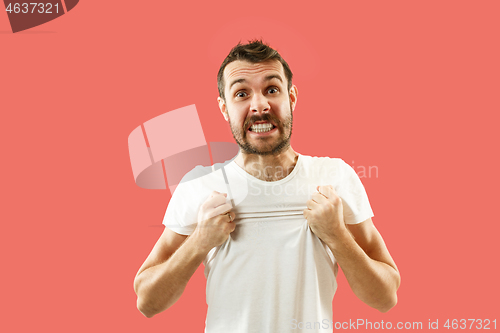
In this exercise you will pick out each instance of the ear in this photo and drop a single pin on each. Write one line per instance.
(223, 108)
(293, 96)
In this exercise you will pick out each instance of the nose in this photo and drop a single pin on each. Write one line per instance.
(259, 103)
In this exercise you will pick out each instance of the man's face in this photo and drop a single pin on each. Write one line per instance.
(258, 106)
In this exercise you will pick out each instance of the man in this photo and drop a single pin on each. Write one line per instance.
(271, 259)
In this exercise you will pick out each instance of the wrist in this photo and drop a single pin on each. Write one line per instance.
(338, 237)
(197, 244)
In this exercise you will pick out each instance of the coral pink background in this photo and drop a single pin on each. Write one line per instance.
(409, 87)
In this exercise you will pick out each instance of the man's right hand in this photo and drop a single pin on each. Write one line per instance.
(215, 221)
(164, 275)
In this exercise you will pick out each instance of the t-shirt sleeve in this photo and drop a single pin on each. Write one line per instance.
(178, 217)
(195, 187)
(354, 199)
(182, 210)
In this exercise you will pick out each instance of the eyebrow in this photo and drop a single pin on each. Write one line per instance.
(267, 78)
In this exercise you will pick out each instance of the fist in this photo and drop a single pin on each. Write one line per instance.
(215, 221)
(324, 213)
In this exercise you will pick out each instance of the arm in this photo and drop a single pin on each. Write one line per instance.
(367, 264)
(164, 275)
(162, 278)
(359, 249)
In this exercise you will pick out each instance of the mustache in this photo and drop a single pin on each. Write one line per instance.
(264, 117)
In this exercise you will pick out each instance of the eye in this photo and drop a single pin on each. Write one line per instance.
(272, 90)
(240, 94)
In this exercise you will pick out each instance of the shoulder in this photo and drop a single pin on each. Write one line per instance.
(323, 163)
(196, 173)
(201, 181)
(187, 196)
(202, 173)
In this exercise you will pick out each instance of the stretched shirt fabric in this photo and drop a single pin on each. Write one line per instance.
(273, 274)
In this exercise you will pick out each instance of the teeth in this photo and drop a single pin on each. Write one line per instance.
(260, 128)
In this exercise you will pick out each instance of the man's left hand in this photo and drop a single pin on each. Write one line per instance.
(324, 213)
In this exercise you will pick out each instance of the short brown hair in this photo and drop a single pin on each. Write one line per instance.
(255, 51)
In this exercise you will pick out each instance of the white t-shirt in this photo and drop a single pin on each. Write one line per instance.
(272, 274)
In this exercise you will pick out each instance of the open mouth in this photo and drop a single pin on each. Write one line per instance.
(261, 128)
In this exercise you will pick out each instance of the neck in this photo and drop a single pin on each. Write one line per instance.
(268, 167)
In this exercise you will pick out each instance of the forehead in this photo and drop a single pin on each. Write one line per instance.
(240, 69)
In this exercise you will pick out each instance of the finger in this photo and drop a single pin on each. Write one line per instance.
(328, 191)
(311, 204)
(215, 201)
(231, 216)
(332, 190)
(324, 191)
(332, 195)
(216, 194)
(319, 198)
(222, 209)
